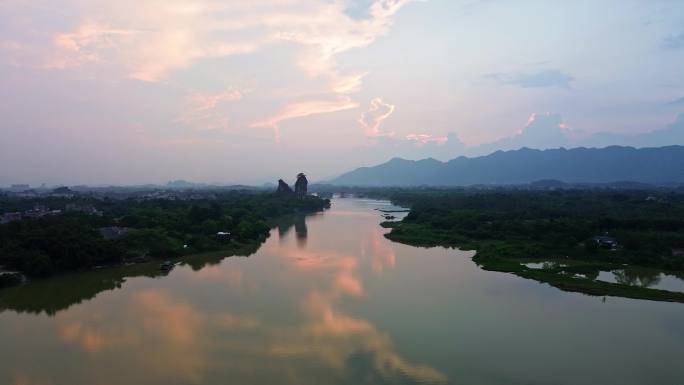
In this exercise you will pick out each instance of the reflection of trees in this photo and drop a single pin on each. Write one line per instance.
(300, 230)
(299, 223)
(637, 277)
(58, 293)
(284, 227)
(549, 265)
(161, 335)
(54, 294)
(592, 274)
(200, 261)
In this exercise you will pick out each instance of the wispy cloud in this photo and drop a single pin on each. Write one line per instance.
(302, 109)
(162, 36)
(545, 78)
(330, 31)
(86, 43)
(202, 112)
(674, 42)
(374, 116)
(676, 102)
(163, 40)
(347, 84)
(422, 139)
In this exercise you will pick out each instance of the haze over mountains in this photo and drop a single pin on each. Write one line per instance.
(542, 131)
(579, 165)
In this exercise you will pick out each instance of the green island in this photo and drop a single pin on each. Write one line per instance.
(564, 238)
(68, 232)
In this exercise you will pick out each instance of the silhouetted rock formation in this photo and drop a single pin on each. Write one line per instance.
(283, 188)
(301, 185)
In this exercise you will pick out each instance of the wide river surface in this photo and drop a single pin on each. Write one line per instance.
(328, 300)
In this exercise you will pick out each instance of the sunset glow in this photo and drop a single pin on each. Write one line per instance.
(185, 88)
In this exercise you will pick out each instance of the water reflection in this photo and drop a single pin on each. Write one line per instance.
(300, 230)
(59, 293)
(344, 307)
(642, 277)
(352, 345)
(381, 252)
(154, 331)
(634, 277)
(298, 222)
(211, 318)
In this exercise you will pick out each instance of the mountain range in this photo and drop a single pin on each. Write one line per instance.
(659, 165)
(542, 130)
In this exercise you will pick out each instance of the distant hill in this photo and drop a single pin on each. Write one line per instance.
(578, 165)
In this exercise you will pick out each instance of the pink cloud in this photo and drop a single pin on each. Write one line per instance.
(164, 41)
(347, 84)
(373, 118)
(302, 109)
(85, 44)
(160, 37)
(203, 112)
(426, 138)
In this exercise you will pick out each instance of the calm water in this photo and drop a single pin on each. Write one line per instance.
(328, 300)
(650, 279)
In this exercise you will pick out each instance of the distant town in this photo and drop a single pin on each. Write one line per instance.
(62, 196)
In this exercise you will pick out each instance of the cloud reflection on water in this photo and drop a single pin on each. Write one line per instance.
(196, 327)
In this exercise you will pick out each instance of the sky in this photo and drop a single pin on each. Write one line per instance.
(146, 91)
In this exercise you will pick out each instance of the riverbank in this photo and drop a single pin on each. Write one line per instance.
(577, 235)
(50, 294)
(346, 291)
(56, 252)
(141, 230)
(567, 274)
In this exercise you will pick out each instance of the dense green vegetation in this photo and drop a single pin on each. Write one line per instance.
(156, 228)
(507, 227)
(56, 293)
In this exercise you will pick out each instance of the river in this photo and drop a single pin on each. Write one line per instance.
(328, 300)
